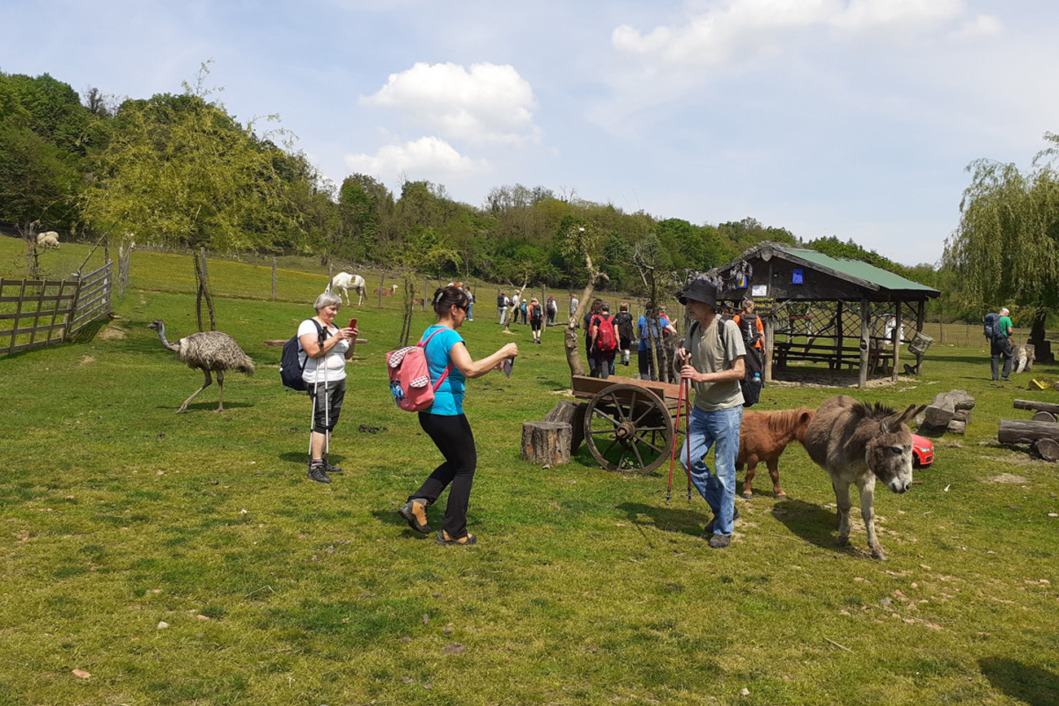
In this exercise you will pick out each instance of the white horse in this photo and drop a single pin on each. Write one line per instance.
(346, 281)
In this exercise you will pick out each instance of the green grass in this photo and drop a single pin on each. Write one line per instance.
(586, 586)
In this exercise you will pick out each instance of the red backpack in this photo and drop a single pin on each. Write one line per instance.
(605, 338)
(410, 376)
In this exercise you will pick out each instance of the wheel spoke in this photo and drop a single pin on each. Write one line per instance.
(603, 415)
(659, 429)
(651, 444)
(618, 408)
(604, 454)
(639, 458)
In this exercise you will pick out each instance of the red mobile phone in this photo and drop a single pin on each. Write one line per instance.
(352, 323)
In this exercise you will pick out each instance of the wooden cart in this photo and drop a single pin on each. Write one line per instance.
(629, 424)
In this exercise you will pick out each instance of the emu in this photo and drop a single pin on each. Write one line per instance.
(208, 351)
(345, 281)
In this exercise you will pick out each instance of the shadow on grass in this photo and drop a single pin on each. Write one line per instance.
(812, 523)
(1029, 684)
(672, 518)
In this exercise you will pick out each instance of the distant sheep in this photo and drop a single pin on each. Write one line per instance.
(48, 239)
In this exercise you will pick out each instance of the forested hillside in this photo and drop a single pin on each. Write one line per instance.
(176, 170)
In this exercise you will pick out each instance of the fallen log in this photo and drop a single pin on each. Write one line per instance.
(1022, 431)
(1042, 416)
(1042, 406)
(546, 443)
(1048, 449)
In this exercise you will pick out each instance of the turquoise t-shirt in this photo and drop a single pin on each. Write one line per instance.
(448, 398)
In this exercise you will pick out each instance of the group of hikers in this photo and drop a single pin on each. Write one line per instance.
(713, 363)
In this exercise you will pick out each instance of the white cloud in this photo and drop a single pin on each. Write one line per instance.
(425, 158)
(980, 26)
(488, 103)
(728, 30)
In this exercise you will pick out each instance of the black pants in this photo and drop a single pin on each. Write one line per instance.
(1000, 350)
(453, 437)
(647, 365)
(327, 404)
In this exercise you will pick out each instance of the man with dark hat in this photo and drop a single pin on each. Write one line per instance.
(713, 356)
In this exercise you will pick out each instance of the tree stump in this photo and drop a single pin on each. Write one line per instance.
(573, 413)
(1048, 449)
(546, 442)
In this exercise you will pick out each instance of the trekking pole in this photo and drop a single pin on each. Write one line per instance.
(673, 455)
(687, 433)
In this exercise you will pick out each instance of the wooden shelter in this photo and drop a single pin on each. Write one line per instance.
(820, 309)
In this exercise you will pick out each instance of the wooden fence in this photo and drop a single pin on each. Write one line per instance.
(36, 312)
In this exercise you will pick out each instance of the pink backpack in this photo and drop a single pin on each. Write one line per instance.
(410, 376)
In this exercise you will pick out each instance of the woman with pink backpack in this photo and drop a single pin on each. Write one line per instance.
(445, 422)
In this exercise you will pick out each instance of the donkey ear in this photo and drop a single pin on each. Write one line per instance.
(895, 422)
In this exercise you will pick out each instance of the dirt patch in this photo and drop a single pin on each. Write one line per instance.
(1007, 478)
(87, 360)
(110, 333)
(792, 377)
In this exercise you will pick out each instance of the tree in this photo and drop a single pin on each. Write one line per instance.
(180, 170)
(1006, 247)
(580, 243)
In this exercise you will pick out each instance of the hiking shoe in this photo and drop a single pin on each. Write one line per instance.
(465, 541)
(720, 541)
(708, 529)
(318, 474)
(331, 469)
(415, 511)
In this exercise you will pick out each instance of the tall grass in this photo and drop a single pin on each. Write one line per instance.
(118, 515)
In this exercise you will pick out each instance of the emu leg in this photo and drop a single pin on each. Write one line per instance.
(774, 471)
(751, 467)
(209, 381)
(867, 511)
(220, 391)
(842, 501)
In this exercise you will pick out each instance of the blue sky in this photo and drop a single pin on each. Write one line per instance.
(853, 118)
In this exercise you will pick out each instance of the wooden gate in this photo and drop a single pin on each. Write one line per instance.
(36, 312)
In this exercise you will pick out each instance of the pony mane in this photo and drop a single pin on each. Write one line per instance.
(783, 419)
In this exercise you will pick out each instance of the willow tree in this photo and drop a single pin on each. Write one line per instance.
(1006, 248)
(180, 171)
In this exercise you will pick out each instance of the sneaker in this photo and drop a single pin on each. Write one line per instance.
(720, 541)
(318, 474)
(415, 511)
(708, 529)
(464, 541)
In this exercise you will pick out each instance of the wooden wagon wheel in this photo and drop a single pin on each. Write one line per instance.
(628, 428)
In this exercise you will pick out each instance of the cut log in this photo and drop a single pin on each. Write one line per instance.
(1043, 406)
(546, 442)
(1042, 416)
(1021, 431)
(962, 415)
(1048, 449)
(573, 413)
(944, 407)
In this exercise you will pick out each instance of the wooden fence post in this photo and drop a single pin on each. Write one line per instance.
(273, 277)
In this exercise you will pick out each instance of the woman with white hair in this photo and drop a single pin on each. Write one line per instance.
(327, 348)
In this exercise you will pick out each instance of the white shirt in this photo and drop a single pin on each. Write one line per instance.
(332, 366)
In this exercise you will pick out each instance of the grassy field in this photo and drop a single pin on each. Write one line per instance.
(118, 516)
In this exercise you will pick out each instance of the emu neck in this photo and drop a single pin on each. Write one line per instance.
(165, 342)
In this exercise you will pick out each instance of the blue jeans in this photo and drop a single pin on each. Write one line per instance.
(718, 490)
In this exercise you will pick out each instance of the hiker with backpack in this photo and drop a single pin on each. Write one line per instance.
(714, 363)
(552, 308)
(326, 348)
(536, 318)
(604, 337)
(445, 422)
(623, 322)
(594, 310)
(998, 330)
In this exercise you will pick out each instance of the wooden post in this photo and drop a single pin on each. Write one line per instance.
(865, 311)
(273, 276)
(769, 333)
(895, 337)
(382, 280)
(426, 288)
(546, 443)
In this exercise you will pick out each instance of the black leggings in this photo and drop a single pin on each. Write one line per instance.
(453, 437)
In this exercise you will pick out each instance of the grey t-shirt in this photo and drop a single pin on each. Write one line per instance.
(707, 356)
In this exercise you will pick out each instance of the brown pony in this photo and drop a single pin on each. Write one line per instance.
(856, 443)
(762, 438)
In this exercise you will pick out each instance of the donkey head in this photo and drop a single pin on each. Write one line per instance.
(889, 452)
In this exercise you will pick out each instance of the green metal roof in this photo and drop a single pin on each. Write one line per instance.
(857, 269)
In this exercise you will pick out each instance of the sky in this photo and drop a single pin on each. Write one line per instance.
(848, 118)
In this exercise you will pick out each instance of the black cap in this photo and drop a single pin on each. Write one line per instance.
(701, 291)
